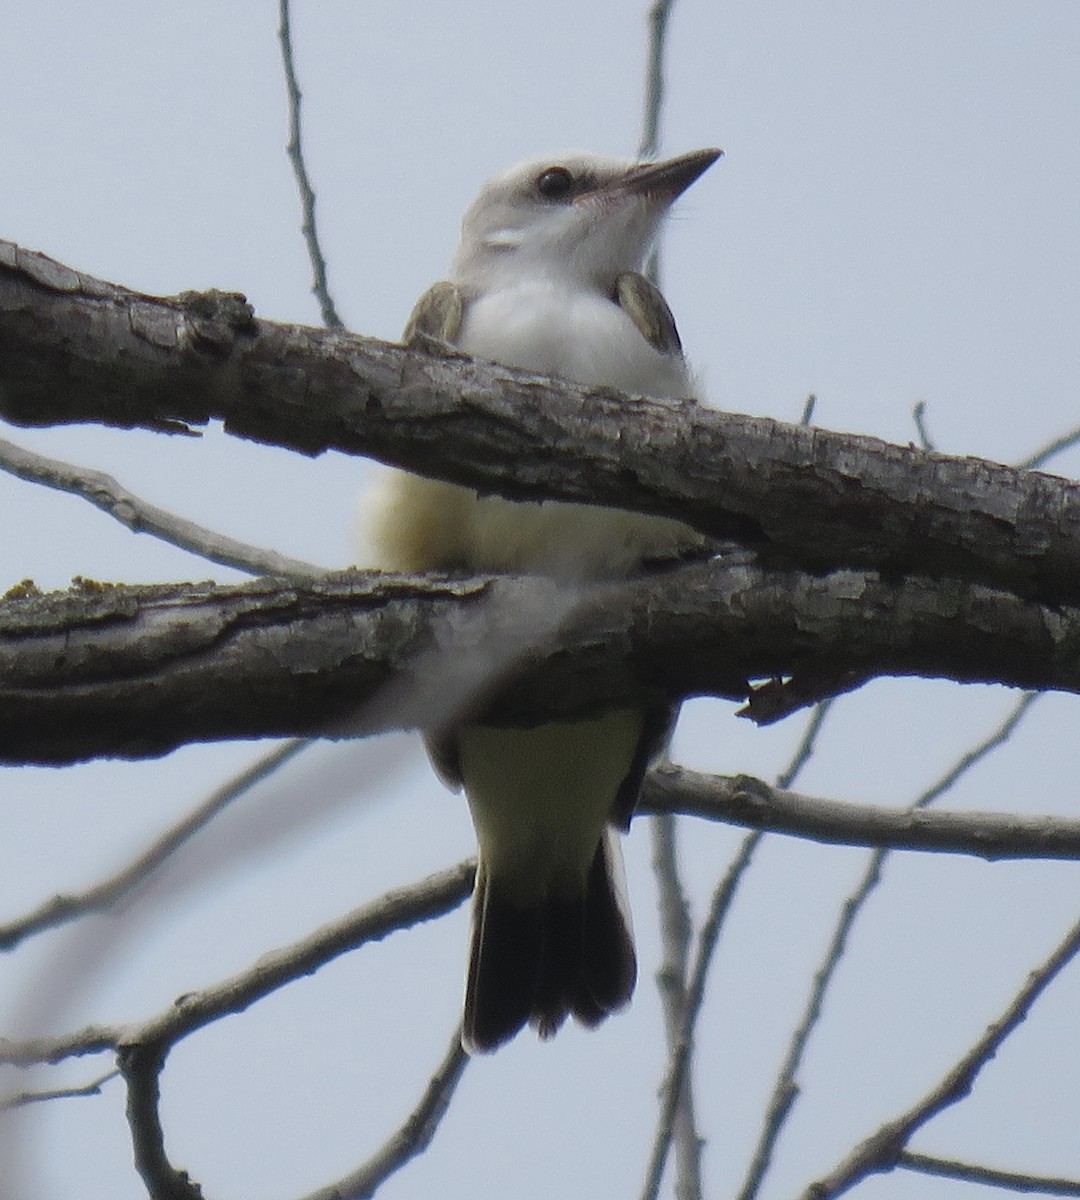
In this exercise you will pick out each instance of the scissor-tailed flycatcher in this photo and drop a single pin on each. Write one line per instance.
(546, 278)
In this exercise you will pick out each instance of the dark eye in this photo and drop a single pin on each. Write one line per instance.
(556, 183)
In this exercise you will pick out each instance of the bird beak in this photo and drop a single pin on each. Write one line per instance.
(664, 181)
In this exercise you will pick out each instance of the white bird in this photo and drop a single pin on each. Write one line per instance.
(547, 278)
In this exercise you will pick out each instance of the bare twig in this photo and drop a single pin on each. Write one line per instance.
(695, 992)
(295, 150)
(93, 1088)
(649, 146)
(143, 1047)
(881, 1151)
(804, 751)
(918, 415)
(675, 925)
(710, 933)
(659, 15)
(397, 909)
(139, 516)
(671, 978)
(63, 908)
(1042, 1185)
(1057, 446)
(411, 1138)
(785, 1088)
(743, 800)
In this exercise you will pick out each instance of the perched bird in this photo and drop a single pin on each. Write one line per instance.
(547, 278)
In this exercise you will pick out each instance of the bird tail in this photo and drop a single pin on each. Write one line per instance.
(565, 956)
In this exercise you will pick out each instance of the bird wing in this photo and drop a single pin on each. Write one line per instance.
(646, 307)
(437, 314)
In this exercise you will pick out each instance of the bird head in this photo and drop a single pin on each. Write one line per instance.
(582, 217)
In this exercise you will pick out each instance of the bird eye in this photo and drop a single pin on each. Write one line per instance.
(555, 183)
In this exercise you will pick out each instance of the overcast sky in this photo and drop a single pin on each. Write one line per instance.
(894, 221)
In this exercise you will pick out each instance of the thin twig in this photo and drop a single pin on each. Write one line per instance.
(680, 1056)
(804, 751)
(139, 516)
(1057, 446)
(294, 149)
(918, 415)
(93, 1088)
(108, 892)
(675, 934)
(142, 1049)
(659, 16)
(675, 924)
(785, 1088)
(649, 146)
(707, 942)
(1016, 1181)
(397, 909)
(881, 1151)
(411, 1138)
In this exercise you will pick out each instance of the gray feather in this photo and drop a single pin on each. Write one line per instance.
(437, 314)
(644, 304)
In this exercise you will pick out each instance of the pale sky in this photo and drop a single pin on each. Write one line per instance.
(894, 221)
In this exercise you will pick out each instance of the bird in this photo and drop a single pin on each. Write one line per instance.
(548, 277)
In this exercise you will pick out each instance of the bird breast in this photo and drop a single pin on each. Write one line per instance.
(581, 335)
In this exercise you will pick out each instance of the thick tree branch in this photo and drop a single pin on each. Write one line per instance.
(141, 1065)
(73, 348)
(134, 671)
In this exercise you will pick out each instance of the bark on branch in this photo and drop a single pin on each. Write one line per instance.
(134, 671)
(73, 348)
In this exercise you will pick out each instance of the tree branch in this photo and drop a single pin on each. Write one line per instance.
(994, 836)
(881, 1151)
(140, 516)
(134, 671)
(141, 1065)
(295, 150)
(73, 348)
(22, 1099)
(397, 909)
(786, 1086)
(411, 1138)
(1013, 1181)
(65, 907)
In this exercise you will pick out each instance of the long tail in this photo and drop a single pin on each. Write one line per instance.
(542, 964)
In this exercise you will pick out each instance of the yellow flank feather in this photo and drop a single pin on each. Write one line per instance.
(419, 524)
